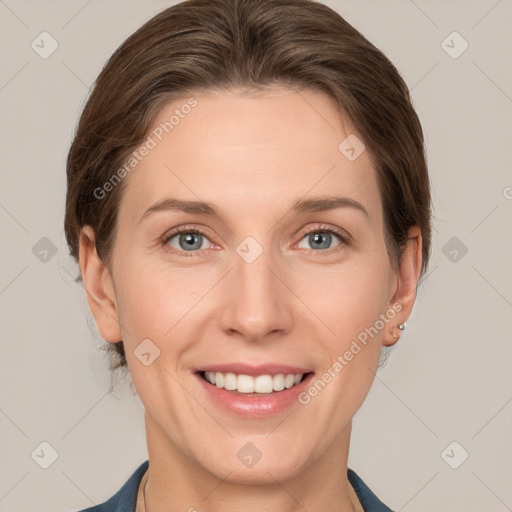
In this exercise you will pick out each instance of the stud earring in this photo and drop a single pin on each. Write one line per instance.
(401, 327)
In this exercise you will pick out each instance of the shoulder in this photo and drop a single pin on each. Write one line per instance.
(124, 500)
(368, 500)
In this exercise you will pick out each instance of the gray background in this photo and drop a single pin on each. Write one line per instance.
(448, 379)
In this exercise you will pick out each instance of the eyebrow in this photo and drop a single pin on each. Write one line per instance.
(301, 206)
(328, 203)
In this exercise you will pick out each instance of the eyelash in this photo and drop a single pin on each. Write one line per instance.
(344, 239)
(179, 231)
(322, 228)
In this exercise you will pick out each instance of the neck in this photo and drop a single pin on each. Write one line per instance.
(176, 482)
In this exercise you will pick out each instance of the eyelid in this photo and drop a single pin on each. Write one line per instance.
(345, 238)
(184, 229)
(178, 231)
(330, 229)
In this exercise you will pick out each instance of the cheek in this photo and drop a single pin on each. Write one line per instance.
(352, 308)
(156, 300)
(350, 299)
(156, 304)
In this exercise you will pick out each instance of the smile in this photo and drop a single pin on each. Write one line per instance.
(247, 384)
(253, 391)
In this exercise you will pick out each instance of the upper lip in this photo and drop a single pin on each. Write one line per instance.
(253, 370)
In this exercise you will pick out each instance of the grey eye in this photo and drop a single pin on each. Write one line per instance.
(319, 240)
(189, 241)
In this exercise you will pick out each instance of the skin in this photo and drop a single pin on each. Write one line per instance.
(251, 156)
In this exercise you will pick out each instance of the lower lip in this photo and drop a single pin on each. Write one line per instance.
(255, 406)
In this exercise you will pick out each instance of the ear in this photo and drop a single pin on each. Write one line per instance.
(404, 293)
(98, 287)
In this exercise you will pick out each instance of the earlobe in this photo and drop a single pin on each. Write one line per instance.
(407, 277)
(98, 287)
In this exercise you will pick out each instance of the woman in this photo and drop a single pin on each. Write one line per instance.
(249, 204)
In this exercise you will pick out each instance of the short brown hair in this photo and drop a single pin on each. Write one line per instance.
(227, 44)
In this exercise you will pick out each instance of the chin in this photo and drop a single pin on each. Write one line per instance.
(250, 465)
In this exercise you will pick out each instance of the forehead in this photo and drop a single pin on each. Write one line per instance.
(250, 151)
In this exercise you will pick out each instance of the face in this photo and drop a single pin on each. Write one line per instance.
(250, 252)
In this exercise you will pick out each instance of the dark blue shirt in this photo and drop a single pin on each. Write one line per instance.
(124, 500)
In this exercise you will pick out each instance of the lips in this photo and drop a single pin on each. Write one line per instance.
(253, 391)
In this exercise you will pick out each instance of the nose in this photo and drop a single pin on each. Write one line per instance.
(256, 305)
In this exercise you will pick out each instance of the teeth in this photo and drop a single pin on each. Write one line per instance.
(289, 381)
(264, 384)
(230, 381)
(248, 384)
(245, 384)
(278, 382)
